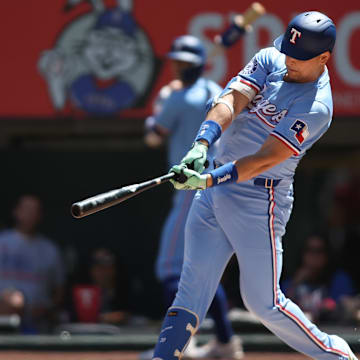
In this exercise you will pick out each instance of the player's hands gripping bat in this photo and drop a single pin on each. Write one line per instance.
(188, 179)
(241, 23)
(113, 197)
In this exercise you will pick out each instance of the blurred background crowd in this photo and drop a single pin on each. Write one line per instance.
(77, 90)
(47, 282)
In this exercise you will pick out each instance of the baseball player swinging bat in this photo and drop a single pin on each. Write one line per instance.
(113, 197)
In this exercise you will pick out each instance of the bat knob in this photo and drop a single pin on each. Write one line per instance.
(180, 178)
(76, 211)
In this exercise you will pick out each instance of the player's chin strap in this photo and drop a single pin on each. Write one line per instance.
(178, 327)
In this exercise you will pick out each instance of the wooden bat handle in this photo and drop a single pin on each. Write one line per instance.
(252, 13)
(241, 23)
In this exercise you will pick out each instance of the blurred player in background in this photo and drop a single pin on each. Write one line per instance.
(31, 270)
(267, 117)
(178, 112)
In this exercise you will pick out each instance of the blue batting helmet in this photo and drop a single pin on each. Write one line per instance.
(190, 49)
(309, 34)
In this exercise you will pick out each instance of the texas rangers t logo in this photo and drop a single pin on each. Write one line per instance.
(295, 33)
(301, 131)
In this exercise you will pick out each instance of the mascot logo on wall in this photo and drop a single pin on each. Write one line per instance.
(102, 61)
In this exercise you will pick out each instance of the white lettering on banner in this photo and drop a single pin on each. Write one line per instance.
(346, 99)
(272, 24)
(197, 27)
(344, 61)
(219, 64)
(346, 70)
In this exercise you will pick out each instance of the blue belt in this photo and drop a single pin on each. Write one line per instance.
(264, 182)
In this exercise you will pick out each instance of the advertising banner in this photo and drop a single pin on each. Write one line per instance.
(108, 58)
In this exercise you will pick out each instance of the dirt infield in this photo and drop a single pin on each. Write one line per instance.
(121, 355)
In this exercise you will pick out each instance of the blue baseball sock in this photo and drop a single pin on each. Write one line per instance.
(218, 311)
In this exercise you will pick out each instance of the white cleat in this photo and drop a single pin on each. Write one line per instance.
(346, 348)
(214, 349)
(351, 354)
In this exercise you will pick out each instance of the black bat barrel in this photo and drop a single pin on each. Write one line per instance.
(102, 201)
(113, 197)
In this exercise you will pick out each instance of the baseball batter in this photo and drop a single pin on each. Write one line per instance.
(268, 116)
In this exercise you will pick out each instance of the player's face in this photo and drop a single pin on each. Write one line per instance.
(28, 213)
(178, 67)
(315, 256)
(305, 70)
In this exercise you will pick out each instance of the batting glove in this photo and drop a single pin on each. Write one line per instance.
(196, 157)
(194, 180)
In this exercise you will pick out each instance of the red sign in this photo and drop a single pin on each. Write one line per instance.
(99, 57)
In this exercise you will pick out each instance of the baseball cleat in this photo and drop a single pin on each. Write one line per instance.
(345, 349)
(214, 349)
(351, 354)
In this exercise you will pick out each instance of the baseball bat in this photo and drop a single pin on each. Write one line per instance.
(241, 23)
(113, 197)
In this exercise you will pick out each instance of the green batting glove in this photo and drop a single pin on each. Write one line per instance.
(196, 157)
(195, 181)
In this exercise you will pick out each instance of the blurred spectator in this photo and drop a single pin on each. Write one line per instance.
(105, 298)
(31, 270)
(318, 286)
(343, 221)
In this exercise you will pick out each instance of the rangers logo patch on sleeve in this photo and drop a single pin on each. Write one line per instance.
(301, 131)
(250, 67)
